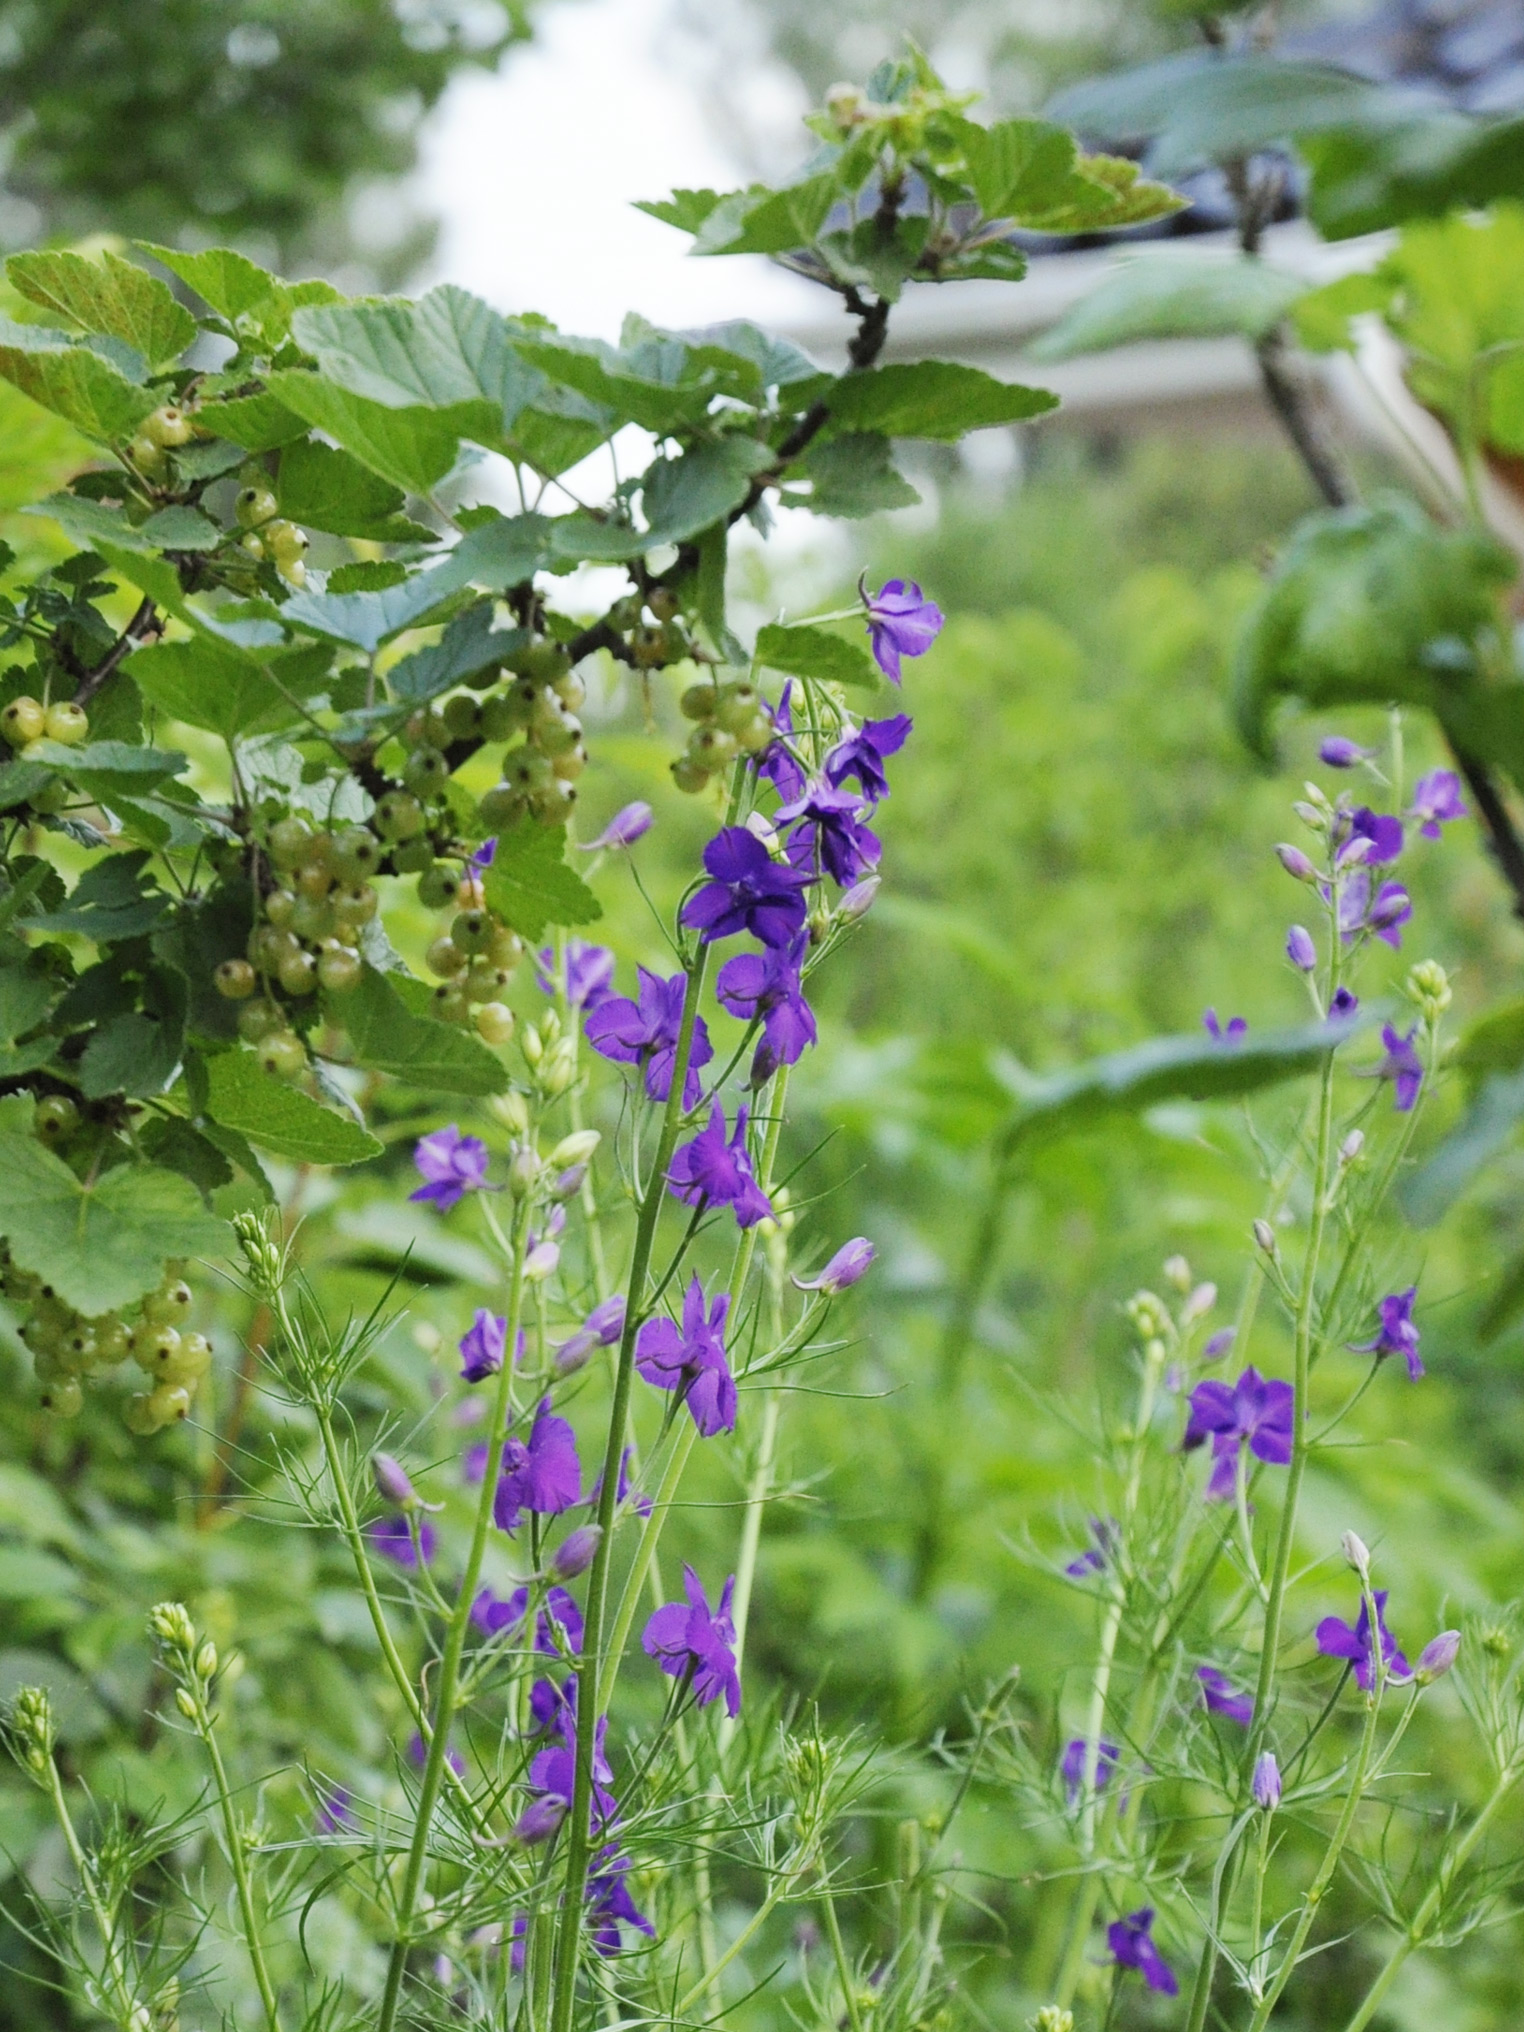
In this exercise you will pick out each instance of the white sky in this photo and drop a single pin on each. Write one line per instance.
(532, 172)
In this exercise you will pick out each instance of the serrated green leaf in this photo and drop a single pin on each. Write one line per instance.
(72, 381)
(932, 399)
(504, 552)
(181, 528)
(413, 448)
(108, 296)
(803, 651)
(680, 497)
(854, 475)
(173, 1144)
(279, 1117)
(136, 1054)
(229, 282)
(1494, 1043)
(685, 209)
(327, 489)
(1175, 295)
(112, 900)
(469, 644)
(26, 995)
(763, 221)
(1323, 317)
(530, 885)
(386, 1036)
(259, 423)
(205, 683)
(103, 1246)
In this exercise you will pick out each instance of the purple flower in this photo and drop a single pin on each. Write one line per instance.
(645, 1033)
(451, 1164)
(392, 1481)
(1295, 862)
(696, 1644)
(1267, 1782)
(553, 1773)
(643, 1503)
(482, 1347)
(767, 985)
(711, 1169)
(747, 891)
(1300, 950)
(858, 900)
(1398, 1334)
(1384, 914)
(492, 1614)
(863, 754)
(602, 1327)
(1098, 1555)
(851, 1261)
(1382, 830)
(576, 1552)
(544, 1476)
(333, 1810)
(540, 1819)
(628, 825)
(1219, 1343)
(1251, 1409)
(776, 763)
(1217, 1691)
(1071, 1766)
(1344, 1004)
(692, 1360)
(901, 622)
(393, 1540)
(1437, 1656)
(829, 833)
(1402, 1066)
(589, 971)
(485, 855)
(1436, 801)
(1340, 753)
(1132, 1946)
(609, 1902)
(418, 1753)
(1236, 1030)
(1337, 1640)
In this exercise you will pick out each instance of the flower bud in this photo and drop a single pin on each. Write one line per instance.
(1354, 852)
(1264, 1237)
(567, 1184)
(523, 1171)
(1219, 1344)
(259, 1251)
(539, 1820)
(1148, 1315)
(1308, 814)
(574, 1354)
(851, 1262)
(1353, 1146)
(541, 1262)
(1436, 1657)
(185, 1701)
(1341, 753)
(1052, 2018)
(560, 1067)
(1300, 950)
(530, 1045)
(628, 825)
(576, 1552)
(574, 1149)
(858, 900)
(1429, 986)
(206, 1661)
(32, 1726)
(392, 1482)
(1200, 1301)
(1177, 1272)
(1357, 1553)
(170, 1622)
(1296, 863)
(512, 1110)
(1267, 1781)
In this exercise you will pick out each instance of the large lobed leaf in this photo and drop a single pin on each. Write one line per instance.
(110, 297)
(279, 1117)
(530, 885)
(1181, 294)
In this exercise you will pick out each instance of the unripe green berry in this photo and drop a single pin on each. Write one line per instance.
(399, 816)
(554, 802)
(648, 646)
(449, 1004)
(63, 1399)
(699, 702)
(356, 854)
(66, 723)
(503, 806)
(527, 769)
(147, 456)
(22, 721)
(284, 541)
(279, 905)
(170, 1304)
(426, 772)
(111, 1341)
(505, 948)
(484, 982)
(445, 958)
(288, 841)
(712, 748)
(472, 931)
(664, 603)
(688, 776)
(56, 1119)
(353, 905)
(168, 426)
(570, 690)
(494, 1023)
(570, 763)
(236, 979)
(340, 970)
(413, 856)
(500, 719)
(283, 1053)
(168, 1402)
(298, 973)
(255, 505)
(542, 661)
(462, 717)
(559, 735)
(437, 886)
(252, 544)
(259, 1020)
(757, 734)
(313, 881)
(312, 920)
(153, 1342)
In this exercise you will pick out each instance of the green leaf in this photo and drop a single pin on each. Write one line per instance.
(101, 1246)
(854, 475)
(137, 1053)
(1374, 604)
(687, 494)
(685, 209)
(762, 221)
(26, 995)
(229, 282)
(1165, 1069)
(108, 296)
(329, 490)
(530, 885)
(279, 1117)
(74, 382)
(1398, 166)
(112, 900)
(1488, 1128)
(931, 398)
(180, 528)
(1323, 317)
(413, 448)
(386, 1036)
(206, 683)
(804, 651)
(171, 1142)
(1494, 1043)
(98, 522)
(1032, 173)
(1175, 295)
(259, 423)
(505, 551)
(469, 644)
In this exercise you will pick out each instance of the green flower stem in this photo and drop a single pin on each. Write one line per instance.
(757, 1493)
(116, 1977)
(843, 1966)
(456, 1631)
(572, 1028)
(598, 1662)
(237, 1854)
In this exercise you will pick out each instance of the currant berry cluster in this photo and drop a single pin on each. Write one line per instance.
(267, 537)
(732, 720)
(535, 716)
(165, 431)
(474, 960)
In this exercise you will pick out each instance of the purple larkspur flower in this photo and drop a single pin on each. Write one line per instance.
(1398, 1332)
(766, 985)
(393, 1483)
(1300, 950)
(710, 1168)
(576, 1552)
(901, 622)
(852, 1261)
(493, 1614)
(1383, 913)
(696, 1644)
(1336, 1639)
(1101, 1550)
(333, 1814)
(691, 1360)
(630, 823)
(542, 1474)
(451, 1164)
(553, 1773)
(645, 1033)
(1131, 1941)
(609, 1902)
(482, 1345)
(1402, 1066)
(393, 1540)
(1251, 1410)
(589, 973)
(602, 1327)
(1071, 1766)
(1219, 1343)
(863, 754)
(1382, 829)
(1344, 1004)
(1437, 1657)
(1232, 1032)
(643, 1506)
(747, 890)
(418, 1753)
(1221, 1697)
(1341, 753)
(1437, 801)
(828, 832)
(776, 762)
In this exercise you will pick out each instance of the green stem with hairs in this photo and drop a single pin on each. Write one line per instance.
(116, 1976)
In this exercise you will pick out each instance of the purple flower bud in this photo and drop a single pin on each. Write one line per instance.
(1340, 753)
(1437, 1656)
(858, 900)
(574, 1354)
(482, 1346)
(1267, 1781)
(851, 1261)
(1219, 1344)
(623, 829)
(576, 1552)
(392, 1481)
(541, 1261)
(1300, 950)
(1295, 862)
(569, 1182)
(540, 1819)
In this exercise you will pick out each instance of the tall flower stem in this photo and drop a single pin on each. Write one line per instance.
(578, 1831)
(238, 1859)
(757, 1492)
(435, 1765)
(116, 1977)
